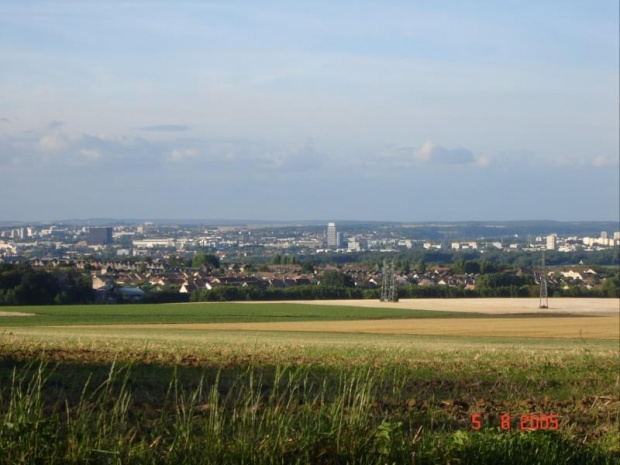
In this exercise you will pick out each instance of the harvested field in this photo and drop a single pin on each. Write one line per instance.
(570, 327)
(589, 306)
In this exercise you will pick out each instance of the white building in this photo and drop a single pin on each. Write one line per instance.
(551, 238)
(572, 275)
(332, 235)
(151, 243)
(354, 246)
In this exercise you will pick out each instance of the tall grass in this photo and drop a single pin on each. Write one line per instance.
(291, 414)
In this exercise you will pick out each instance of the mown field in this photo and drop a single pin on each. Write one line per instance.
(165, 394)
(204, 313)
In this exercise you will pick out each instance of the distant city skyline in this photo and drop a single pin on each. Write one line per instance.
(460, 111)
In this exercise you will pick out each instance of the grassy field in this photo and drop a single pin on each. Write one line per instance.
(231, 312)
(205, 313)
(106, 394)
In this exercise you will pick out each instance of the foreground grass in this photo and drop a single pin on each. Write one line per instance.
(262, 414)
(559, 369)
(417, 394)
(110, 395)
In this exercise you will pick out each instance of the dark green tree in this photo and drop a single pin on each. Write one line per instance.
(178, 262)
(336, 279)
(611, 287)
(36, 288)
(487, 267)
(307, 268)
(458, 267)
(208, 260)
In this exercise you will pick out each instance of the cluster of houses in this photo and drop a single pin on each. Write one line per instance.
(132, 285)
(132, 279)
(565, 279)
(278, 277)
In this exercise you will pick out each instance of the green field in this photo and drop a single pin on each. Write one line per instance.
(219, 313)
(112, 395)
(206, 313)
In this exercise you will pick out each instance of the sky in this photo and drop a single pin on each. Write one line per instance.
(384, 111)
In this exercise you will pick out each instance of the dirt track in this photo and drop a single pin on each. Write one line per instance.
(574, 328)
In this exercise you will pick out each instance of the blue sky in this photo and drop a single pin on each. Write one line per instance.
(310, 110)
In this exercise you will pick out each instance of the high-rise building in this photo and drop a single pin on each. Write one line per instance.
(99, 236)
(603, 234)
(551, 241)
(332, 235)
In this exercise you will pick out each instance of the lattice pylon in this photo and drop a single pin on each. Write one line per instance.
(389, 290)
(544, 296)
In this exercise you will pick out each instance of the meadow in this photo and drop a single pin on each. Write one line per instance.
(101, 393)
(203, 313)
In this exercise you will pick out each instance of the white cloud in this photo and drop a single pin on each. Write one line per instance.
(55, 141)
(483, 160)
(249, 153)
(600, 162)
(433, 153)
(425, 152)
(181, 154)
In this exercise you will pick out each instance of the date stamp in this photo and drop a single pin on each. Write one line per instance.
(525, 422)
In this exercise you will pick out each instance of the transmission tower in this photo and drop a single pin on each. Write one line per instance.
(389, 291)
(384, 282)
(544, 299)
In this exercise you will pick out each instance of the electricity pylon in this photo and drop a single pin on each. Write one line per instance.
(389, 291)
(544, 298)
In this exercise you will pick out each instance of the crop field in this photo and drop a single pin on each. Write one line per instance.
(202, 313)
(301, 383)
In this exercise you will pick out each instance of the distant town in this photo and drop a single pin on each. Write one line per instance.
(167, 262)
(158, 241)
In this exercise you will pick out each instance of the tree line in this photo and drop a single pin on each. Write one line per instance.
(23, 285)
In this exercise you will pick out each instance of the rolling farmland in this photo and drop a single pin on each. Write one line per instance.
(282, 383)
